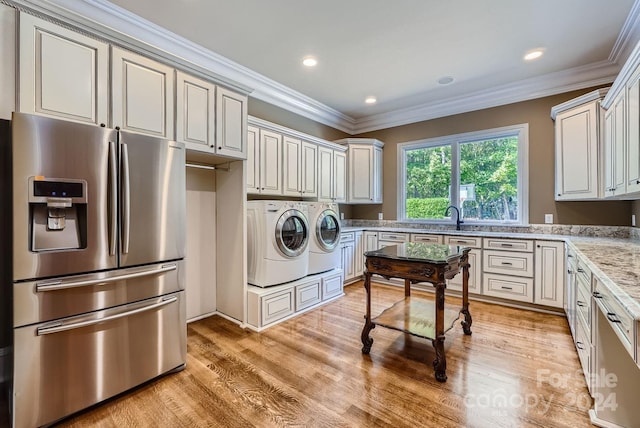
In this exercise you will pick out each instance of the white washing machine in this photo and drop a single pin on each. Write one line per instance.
(324, 253)
(277, 242)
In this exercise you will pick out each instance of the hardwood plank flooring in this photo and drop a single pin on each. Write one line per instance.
(518, 369)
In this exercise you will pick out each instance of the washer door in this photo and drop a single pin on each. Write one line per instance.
(292, 233)
(328, 230)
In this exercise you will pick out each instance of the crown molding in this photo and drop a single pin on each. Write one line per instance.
(623, 77)
(121, 27)
(628, 37)
(265, 124)
(598, 94)
(600, 73)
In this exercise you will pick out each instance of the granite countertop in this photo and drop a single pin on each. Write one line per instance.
(615, 261)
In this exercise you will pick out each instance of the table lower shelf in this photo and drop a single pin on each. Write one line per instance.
(416, 316)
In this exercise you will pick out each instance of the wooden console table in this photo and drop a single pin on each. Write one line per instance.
(417, 262)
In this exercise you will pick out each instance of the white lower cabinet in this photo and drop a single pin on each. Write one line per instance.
(358, 254)
(508, 271)
(270, 305)
(347, 247)
(549, 273)
(475, 274)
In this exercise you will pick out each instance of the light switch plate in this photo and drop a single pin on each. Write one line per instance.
(548, 218)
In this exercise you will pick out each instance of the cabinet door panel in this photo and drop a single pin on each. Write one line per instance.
(142, 94)
(550, 274)
(62, 73)
(270, 162)
(325, 174)
(576, 153)
(339, 176)
(253, 160)
(361, 184)
(309, 170)
(231, 124)
(620, 135)
(195, 113)
(292, 168)
(633, 137)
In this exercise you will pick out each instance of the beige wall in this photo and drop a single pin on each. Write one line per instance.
(541, 161)
(541, 157)
(274, 114)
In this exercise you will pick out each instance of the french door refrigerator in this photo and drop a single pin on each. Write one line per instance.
(98, 270)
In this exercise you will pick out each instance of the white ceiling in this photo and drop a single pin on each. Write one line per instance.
(397, 50)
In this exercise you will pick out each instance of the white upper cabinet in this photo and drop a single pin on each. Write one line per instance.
(142, 94)
(633, 132)
(231, 123)
(364, 172)
(339, 176)
(577, 143)
(614, 147)
(195, 113)
(291, 166)
(299, 168)
(270, 163)
(253, 159)
(332, 173)
(309, 175)
(62, 73)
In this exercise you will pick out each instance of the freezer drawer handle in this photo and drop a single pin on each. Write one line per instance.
(59, 285)
(64, 327)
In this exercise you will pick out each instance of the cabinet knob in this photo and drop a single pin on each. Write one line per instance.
(559, 194)
(219, 148)
(637, 181)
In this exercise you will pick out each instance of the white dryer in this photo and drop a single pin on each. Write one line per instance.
(324, 253)
(277, 242)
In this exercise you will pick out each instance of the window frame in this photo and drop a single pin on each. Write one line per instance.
(455, 140)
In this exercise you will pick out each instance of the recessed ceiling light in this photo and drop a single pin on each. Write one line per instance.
(370, 100)
(445, 80)
(534, 54)
(310, 61)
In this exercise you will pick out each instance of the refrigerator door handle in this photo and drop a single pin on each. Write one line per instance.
(59, 327)
(126, 199)
(113, 192)
(60, 285)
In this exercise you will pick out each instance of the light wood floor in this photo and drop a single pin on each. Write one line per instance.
(518, 369)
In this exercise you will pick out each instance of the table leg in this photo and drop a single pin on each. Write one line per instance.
(466, 323)
(368, 325)
(440, 362)
(407, 288)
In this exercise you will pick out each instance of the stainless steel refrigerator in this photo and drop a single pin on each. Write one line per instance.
(98, 270)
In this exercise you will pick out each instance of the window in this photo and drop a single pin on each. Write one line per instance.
(484, 174)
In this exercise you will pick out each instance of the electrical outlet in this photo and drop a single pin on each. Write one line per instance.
(379, 216)
(341, 216)
(548, 218)
(633, 219)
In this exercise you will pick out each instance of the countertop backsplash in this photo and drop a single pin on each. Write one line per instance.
(623, 232)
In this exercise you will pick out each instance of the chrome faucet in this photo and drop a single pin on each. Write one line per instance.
(447, 213)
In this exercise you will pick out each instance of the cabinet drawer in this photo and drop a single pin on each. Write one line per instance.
(582, 271)
(331, 286)
(620, 320)
(583, 305)
(508, 263)
(307, 295)
(465, 241)
(277, 306)
(508, 244)
(508, 287)
(583, 346)
(423, 237)
(347, 237)
(393, 237)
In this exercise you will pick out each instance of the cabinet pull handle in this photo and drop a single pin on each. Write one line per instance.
(611, 316)
(570, 255)
(569, 271)
(581, 303)
(597, 295)
(459, 241)
(504, 244)
(580, 270)
(507, 264)
(580, 346)
(504, 287)
(637, 181)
